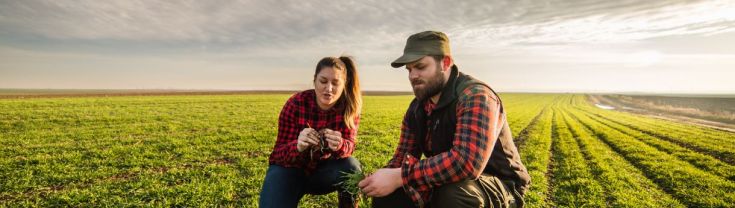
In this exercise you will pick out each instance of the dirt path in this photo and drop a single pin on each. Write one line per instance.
(598, 99)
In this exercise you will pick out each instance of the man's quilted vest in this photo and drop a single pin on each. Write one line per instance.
(504, 163)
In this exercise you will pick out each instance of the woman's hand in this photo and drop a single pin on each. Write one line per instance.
(307, 138)
(333, 138)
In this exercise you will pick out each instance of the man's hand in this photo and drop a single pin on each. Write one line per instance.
(306, 139)
(382, 182)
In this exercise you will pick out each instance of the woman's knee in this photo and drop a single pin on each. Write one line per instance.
(281, 187)
(279, 173)
(329, 173)
(278, 177)
(348, 164)
(351, 164)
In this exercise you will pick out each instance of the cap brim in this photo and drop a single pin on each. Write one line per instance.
(406, 58)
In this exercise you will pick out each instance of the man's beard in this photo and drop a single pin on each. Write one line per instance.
(431, 87)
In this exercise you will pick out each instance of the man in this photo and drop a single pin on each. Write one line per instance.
(459, 124)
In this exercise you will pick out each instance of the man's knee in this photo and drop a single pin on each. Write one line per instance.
(460, 194)
(396, 199)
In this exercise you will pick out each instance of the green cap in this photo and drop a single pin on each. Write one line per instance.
(423, 44)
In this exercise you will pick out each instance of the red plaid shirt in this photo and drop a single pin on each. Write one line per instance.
(479, 123)
(300, 111)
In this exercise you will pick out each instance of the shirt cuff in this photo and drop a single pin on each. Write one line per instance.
(410, 184)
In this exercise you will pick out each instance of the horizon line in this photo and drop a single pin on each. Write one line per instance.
(364, 91)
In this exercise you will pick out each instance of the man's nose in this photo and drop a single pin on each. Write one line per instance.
(413, 74)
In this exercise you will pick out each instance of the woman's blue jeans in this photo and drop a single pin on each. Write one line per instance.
(284, 187)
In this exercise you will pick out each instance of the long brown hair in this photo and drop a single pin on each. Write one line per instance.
(351, 95)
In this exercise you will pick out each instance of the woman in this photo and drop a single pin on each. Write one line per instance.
(316, 137)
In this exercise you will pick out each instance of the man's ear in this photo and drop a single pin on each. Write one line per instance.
(447, 62)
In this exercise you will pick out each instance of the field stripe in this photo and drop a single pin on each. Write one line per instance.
(703, 161)
(688, 184)
(521, 138)
(721, 147)
(535, 155)
(623, 181)
(573, 183)
(682, 136)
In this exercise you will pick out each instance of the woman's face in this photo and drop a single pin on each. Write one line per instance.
(329, 84)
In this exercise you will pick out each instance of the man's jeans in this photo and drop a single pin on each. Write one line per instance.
(486, 191)
(284, 187)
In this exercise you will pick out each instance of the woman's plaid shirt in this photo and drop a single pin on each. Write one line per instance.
(479, 123)
(300, 112)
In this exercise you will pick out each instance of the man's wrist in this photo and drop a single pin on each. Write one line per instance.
(398, 181)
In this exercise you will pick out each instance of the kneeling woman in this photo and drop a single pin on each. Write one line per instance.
(316, 136)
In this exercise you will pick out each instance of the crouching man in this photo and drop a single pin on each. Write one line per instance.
(458, 123)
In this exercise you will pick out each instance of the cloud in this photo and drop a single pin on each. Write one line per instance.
(266, 22)
(607, 24)
(366, 24)
(242, 37)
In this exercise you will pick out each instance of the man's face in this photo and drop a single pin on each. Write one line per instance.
(426, 77)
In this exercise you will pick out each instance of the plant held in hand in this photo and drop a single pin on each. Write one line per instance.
(349, 184)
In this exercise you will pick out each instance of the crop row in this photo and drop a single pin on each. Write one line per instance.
(690, 185)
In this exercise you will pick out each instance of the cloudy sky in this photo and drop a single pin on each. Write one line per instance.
(540, 46)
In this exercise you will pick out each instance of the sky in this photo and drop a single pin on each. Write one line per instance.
(513, 45)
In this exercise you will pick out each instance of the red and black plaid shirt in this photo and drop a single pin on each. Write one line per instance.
(479, 122)
(300, 111)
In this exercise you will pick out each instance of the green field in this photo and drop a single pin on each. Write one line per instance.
(212, 150)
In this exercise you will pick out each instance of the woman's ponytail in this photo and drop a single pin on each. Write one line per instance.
(352, 93)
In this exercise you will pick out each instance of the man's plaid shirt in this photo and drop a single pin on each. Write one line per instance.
(479, 122)
(300, 112)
